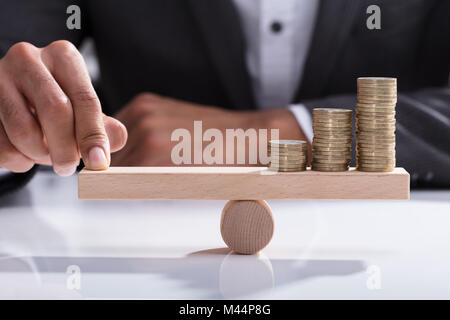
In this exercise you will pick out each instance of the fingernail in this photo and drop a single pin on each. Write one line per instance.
(65, 172)
(97, 159)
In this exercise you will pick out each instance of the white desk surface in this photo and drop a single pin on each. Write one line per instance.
(173, 249)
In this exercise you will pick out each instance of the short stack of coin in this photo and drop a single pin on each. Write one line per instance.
(332, 142)
(375, 124)
(288, 155)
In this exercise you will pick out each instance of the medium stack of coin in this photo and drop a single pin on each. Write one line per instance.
(375, 124)
(332, 142)
(288, 155)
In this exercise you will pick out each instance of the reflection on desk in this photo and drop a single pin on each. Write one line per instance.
(173, 249)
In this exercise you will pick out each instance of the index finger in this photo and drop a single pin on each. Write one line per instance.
(69, 69)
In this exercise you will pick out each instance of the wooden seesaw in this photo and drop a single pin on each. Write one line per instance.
(247, 223)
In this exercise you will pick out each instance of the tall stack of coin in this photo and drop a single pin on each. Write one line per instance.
(288, 155)
(332, 142)
(375, 124)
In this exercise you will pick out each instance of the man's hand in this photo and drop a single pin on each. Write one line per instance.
(151, 119)
(50, 113)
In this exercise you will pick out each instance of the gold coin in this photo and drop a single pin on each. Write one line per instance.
(332, 142)
(381, 125)
(377, 80)
(324, 130)
(377, 118)
(377, 145)
(366, 119)
(332, 125)
(347, 134)
(332, 120)
(377, 131)
(276, 150)
(361, 95)
(329, 165)
(363, 158)
(332, 152)
(375, 114)
(370, 128)
(376, 164)
(369, 151)
(333, 138)
(366, 135)
(332, 110)
(329, 155)
(332, 149)
(288, 150)
(366, 155)
(318, 145)
(384, 169)
(288, 146)
(295, 161)
(329, 169)
(380, 163)
(373, 126)
(388, 105)
(285, 166)
(275, 160)
(287, 169)
(334, 162)
(371, 136)
(373, 145)
(374, 106)
(377, 89)
(377, 100)
(367, 128)
(288, 155)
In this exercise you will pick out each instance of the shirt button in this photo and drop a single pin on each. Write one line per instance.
(276, 27)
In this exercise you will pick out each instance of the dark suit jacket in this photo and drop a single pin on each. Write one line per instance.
(194, 50)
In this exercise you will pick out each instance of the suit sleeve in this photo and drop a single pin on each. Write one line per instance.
(422, 133)
(40, 23)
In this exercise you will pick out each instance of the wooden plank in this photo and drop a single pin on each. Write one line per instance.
(239, 183)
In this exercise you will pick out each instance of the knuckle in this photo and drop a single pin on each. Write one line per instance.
(9, 112)
(141, 97)
(145, 100)
(58, 107)
(85, 95)
(22, 51)
(145, 125)
(21, 132)
(63, 47)
(65, 162)
(154, 142)
(149, 141)
(8, 154)
(12, 160)
(152, 139)
(97, 137)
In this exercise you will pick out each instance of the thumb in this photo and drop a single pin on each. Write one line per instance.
(117, 133)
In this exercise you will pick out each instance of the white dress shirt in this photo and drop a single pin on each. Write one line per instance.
(278, 34)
